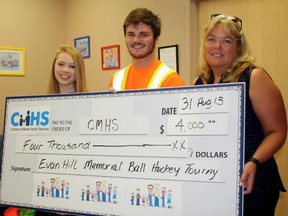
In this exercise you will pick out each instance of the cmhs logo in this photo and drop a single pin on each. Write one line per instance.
(30, 118)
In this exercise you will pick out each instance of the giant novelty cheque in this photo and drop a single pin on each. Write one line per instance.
(164, 152)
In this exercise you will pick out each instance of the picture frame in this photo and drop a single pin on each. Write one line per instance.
(169, 55)
(82, 44)
(12, 61)
(110, 57)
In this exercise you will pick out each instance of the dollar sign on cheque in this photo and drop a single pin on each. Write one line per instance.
(162, 129)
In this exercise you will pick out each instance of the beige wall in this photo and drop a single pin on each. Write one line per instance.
(103, 21)
(36, 25)
(40, 25)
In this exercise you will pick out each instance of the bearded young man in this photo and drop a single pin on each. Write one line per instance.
(142, 29)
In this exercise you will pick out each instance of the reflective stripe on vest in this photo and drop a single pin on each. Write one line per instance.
(160, 74)
(119, 79)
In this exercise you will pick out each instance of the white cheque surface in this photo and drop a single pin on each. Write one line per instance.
(164, 152)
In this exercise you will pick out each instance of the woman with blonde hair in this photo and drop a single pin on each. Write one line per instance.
(225, 59)
(68, 72)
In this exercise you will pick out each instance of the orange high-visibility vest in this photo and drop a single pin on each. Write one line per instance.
(160, 74)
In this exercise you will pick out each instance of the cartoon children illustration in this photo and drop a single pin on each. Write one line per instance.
(109, 192)
(146, 200)
(57, 187)
(143, 200)
(103, 190)
(156, 194)
(87, 192)
(150, 194)
(82, 194)
(62, 188)
(115, 194)
(138, 196)
(38, 190)
(169, 199)
(163, 194)
(98, 190)
(52, 182)
(92, 196)
(42, 189)
(132, 198)
(47, 192)
(67, 190)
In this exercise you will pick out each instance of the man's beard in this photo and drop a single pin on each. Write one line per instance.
(143, 55)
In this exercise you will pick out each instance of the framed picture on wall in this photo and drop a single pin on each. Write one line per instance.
(82, 44)
(12, 61)
(169, 55)
(110, 57)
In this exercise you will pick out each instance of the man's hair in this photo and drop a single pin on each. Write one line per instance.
(143, 15)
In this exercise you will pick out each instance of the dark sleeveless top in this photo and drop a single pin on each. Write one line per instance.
(267, 177)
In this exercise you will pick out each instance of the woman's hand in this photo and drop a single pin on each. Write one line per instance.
(248, 177)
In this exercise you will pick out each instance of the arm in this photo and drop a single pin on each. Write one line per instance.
(110, 85)
(269, 107)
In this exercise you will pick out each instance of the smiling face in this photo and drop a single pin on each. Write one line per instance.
(140, 41)
(220, 50)
(65, 73)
